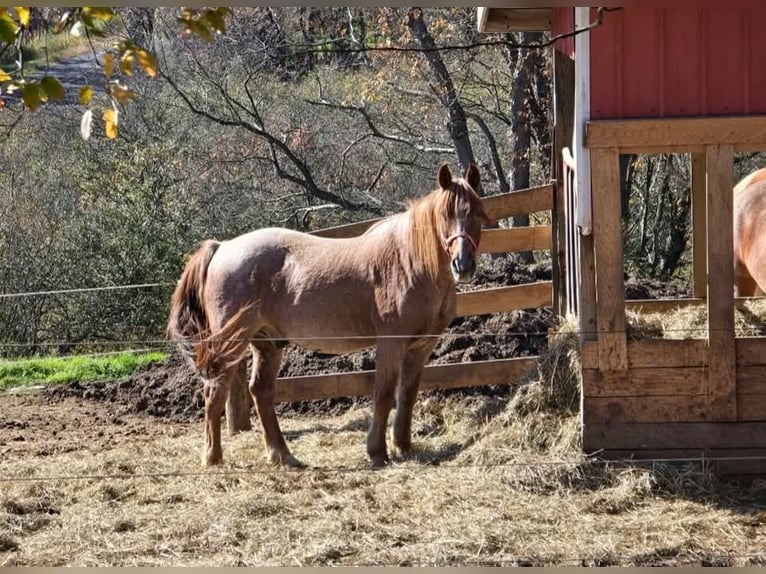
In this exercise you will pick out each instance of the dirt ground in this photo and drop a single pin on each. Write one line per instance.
(95, 474)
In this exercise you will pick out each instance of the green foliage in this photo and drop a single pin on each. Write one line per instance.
(52, 370)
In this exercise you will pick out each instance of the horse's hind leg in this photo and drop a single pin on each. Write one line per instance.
(215, 391)
(412, 370)
(266, 359)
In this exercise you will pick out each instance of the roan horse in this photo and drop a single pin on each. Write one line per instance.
(393, 286)
(750, 235)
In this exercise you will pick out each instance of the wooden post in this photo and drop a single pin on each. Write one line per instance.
(720, 290)
(610, 267)
(564, 74)
(699, 225)
(239, 402)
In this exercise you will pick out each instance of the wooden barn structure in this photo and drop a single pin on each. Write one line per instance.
(656, 78)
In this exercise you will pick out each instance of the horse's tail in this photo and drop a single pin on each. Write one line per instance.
(188, 322)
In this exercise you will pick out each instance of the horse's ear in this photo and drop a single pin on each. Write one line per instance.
(473, 177)
(444, 177)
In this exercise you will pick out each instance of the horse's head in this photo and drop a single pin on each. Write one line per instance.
(463, 218)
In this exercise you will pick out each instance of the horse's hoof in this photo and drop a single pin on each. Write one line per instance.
(213, 460)
(380, 461)
(284, 459)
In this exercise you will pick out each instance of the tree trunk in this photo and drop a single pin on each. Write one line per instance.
(522, 87)
(457, 124)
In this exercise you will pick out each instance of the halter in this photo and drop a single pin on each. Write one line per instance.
(463, 234)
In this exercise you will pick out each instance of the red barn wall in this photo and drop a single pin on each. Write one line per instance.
(562, 22)
(665, 62)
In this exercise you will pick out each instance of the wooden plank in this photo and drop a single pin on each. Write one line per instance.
(751, 407)
(751, 351)
(720, 264)
(748, 132)
(610, 269)
(498, 299)
(515, 239)
(654, 150)
(586, 303)
(699, 225)
(503, 20)
(646, 382)
(661, 409)
(499, 206)
(360, 383)
(563, 70)
(519, 202)
(752, 381)
(663, 305)
(347, 230)
(647, 306)
(654, 353)
(693, 435)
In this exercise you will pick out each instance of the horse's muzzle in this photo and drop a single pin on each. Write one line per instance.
(463, 269)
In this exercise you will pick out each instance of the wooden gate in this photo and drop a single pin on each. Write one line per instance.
(480, 302)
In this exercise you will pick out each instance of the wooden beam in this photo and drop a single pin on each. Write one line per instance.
(610, 269)
(751, 351)
(360, 383)
(720, 270)
(347, 230)
(519, 202)
(586, 303)
(646, 382)
(515, 239)
(743, 132)
(499, 299)
(499, 206)
(654, 353)
(693, 435)
(647, 306)
(659, 409)
(501, 20)
(699, 225)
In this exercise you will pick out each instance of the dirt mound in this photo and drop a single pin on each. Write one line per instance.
(171, 389)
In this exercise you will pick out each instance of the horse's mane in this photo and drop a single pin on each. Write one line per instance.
(424, 221)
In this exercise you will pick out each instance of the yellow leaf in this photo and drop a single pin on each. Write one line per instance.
(121, 93)
(147, 61)
(31, 95)
(126, 63)
(100, 13)
(52, 88)
(23, 14)
(110, 119)
(5, 76)
(86, 95)
(108, 65)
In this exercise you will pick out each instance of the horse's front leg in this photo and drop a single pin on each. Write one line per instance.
(412, 369)
(388, 365)
(266, 359)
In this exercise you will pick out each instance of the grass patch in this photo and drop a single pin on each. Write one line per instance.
(52, 370)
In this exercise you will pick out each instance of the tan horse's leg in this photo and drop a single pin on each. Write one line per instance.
(266, 359)
(388, 359)
(215, 392)
(412, 370)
